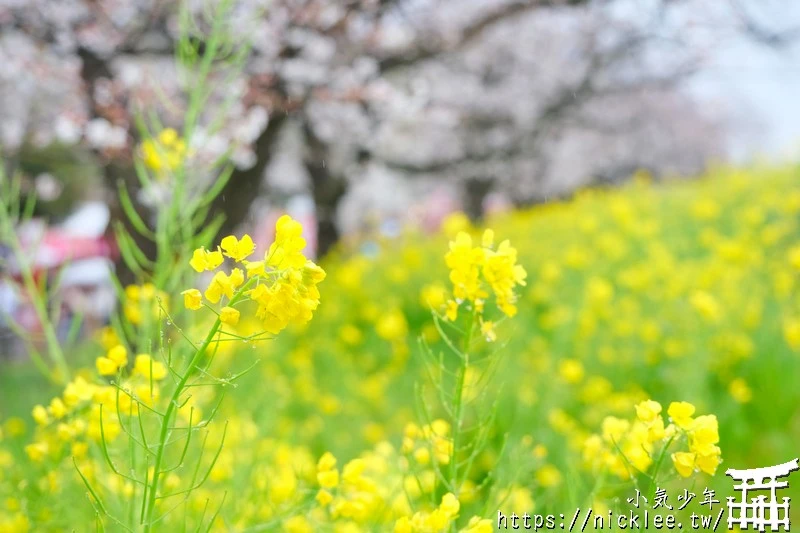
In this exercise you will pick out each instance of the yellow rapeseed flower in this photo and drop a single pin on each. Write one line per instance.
(203, 260)
(684, 463)
(40, 415)
(229, 316)
(704, 434)
(681, 414)
(238, 249)
(286, 251)
(324, 497)
(326, 462)
(648, 410)
(222, 285)
(192, 299)
(328, 479)
(57, 408)
(477, 524)
(118, 354)
(450, 505)
(708, 462)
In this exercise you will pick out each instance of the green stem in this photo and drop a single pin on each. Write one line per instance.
(166, 421)
(458, 411)
(197, 99)
(54, 350)
(659, 461)
(176, 219)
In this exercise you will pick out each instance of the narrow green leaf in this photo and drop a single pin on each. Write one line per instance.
(130, 211)
(218, 185)
(128, 246)
(74, 328)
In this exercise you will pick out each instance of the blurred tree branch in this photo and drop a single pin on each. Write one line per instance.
(761, 31)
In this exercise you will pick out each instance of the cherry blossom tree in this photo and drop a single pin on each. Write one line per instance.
(367, 102)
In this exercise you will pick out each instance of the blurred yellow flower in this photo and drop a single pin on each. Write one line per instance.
(571, 370)
(119, 355)
(740, 391)
(145, 366)
(477, 524)
(40, 415)
(706, 305)
(165, 152)
(105, 366)
(328, 478)
(487, 330)
(450, 505)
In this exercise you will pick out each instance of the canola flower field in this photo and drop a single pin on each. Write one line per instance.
(625, 340)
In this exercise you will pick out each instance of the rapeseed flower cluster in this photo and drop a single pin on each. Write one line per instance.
(283, 284)
(701, 434)
(88, 412)
(429, 443)
(437, 520)
(627, 448)
(476, 270)
(441, 519)
(164, 153)
(71, 421)
(357, 496)
(144, 302)
(15, 522)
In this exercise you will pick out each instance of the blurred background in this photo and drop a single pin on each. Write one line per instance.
(362, 117)
(657, 143)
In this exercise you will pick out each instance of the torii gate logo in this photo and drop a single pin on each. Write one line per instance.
(758, 511)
